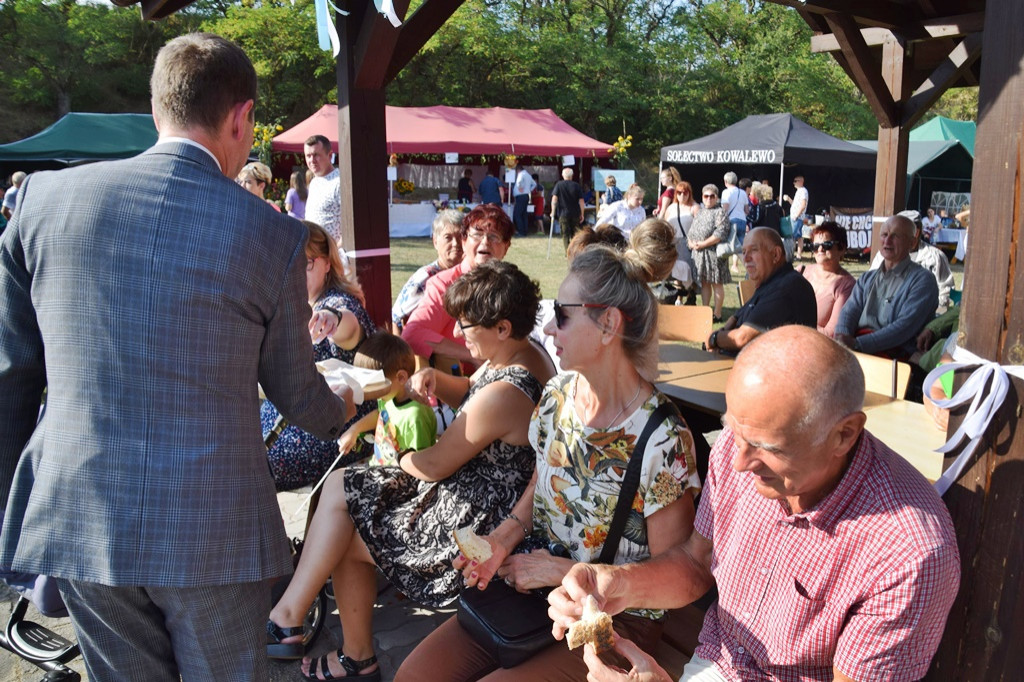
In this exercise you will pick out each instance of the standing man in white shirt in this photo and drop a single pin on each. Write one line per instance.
(323, 203)
(11, 195)
(521, 194)
(797, 208)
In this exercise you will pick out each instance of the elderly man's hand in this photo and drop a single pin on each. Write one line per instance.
(565, 604)
(925, 340)
(645, 668)
(845, 339)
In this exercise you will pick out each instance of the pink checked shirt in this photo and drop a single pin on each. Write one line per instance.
(863, 581)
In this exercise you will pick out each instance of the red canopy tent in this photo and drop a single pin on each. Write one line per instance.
(440, 129)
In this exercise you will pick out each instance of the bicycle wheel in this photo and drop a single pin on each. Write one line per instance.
(315, 618)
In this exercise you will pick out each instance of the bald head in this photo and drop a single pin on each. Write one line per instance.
(826, 385)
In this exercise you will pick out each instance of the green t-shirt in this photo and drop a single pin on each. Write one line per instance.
(404, 426)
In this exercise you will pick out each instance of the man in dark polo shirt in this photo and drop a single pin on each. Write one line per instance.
(782, 296)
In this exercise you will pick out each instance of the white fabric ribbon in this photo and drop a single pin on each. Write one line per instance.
(984, 404)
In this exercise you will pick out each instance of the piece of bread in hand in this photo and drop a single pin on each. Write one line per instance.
(595, 626)
(472, 546)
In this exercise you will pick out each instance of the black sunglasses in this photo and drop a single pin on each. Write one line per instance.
(827, 246)
(560, 317)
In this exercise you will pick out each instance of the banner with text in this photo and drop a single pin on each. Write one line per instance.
(857, 222)
(741, 156)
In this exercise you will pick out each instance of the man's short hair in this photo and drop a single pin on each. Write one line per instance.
(18, 177)
(315, 140)
(730, 178)
(567, 173)
(198, 78)
(386, 352)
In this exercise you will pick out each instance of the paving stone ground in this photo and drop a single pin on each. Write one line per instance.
(399, 623)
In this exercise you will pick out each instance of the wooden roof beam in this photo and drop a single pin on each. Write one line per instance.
(940, 27)
(947, 74)
(375, 46)
(428, 18)
(866, 72)
(882, 13)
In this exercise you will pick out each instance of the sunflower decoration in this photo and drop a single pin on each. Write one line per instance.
(620, 148)
(403, 186)
(263, 139)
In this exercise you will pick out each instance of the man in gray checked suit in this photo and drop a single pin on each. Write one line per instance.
(149, 296)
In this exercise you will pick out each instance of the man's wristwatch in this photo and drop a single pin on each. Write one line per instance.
(714, 338)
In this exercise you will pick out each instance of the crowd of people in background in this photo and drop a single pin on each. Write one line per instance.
(533, 457)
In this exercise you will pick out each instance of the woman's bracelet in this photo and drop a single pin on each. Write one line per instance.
(337, 313)
(513, 517)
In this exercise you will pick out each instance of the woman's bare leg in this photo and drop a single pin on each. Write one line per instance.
(355, 591)
(705, 293)
(328, 539)
(719, 298)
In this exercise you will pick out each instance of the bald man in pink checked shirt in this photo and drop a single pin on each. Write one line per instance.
(834, 558)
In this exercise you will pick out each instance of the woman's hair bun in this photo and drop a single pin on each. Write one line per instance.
(652, 250)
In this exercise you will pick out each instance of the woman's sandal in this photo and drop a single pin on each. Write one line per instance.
(278, 649)
(349, 665)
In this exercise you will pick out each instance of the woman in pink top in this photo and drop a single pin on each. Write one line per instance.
(832, 284)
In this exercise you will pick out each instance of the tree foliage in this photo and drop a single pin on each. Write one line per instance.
(664, 71)
(61, 56)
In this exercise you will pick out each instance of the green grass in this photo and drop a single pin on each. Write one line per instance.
(530, 254)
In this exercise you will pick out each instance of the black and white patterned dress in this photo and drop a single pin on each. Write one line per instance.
(407, 524)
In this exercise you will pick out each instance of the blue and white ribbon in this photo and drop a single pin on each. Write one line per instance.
(985, 389)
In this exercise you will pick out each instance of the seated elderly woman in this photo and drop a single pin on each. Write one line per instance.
(255, 177)
(627, 213)
(832, 284)
(401, 519)
(447, 228)
(338, 325)
(486, 234)
(584, 429)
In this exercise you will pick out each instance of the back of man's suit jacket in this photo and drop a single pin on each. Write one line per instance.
(150, 295)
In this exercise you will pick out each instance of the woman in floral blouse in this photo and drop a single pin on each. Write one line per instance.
(584, 428)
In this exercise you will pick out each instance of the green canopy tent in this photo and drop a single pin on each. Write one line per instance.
(79, 137)
(933, 166)
(942, 128)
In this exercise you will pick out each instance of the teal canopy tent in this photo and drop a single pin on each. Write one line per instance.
(942, 128)
(933, 166)
(85, 137)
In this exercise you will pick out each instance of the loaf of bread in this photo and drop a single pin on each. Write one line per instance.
(595, 626)
(472, 546)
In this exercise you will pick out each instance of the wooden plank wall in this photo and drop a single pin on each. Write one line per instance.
(985, 632)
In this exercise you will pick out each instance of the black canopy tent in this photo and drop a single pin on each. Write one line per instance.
(781, 146)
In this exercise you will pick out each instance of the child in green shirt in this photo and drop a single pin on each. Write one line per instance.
(399, 424)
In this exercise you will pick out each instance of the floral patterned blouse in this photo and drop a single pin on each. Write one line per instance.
(580, 470)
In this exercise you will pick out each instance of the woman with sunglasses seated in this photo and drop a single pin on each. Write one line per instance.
(832, 284)
(605, 332)
(401, 519)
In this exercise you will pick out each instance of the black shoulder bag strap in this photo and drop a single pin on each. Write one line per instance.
(631, 482)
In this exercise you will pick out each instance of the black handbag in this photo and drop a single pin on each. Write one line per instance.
(512, 626)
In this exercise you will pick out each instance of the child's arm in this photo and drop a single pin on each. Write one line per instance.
(367, 422)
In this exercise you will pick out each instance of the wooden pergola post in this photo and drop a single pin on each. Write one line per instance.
(984, 638)
(371, 56)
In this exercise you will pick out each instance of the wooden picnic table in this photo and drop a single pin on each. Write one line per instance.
(696, 379)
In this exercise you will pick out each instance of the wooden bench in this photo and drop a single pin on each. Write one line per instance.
(679, 639)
